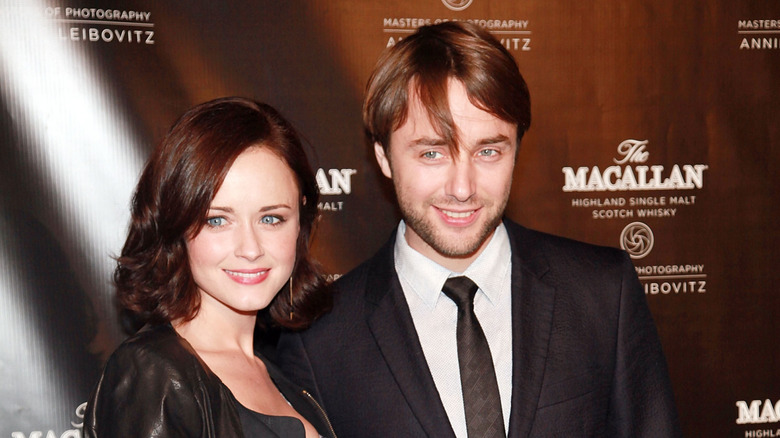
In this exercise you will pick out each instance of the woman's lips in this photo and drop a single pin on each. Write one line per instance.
(254, 276)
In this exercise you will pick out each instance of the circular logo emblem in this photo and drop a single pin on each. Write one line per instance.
(637, 240)
(457, 5)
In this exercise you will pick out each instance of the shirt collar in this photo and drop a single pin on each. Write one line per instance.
(427, 277)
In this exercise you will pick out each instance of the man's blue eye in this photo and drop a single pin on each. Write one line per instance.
(431, 154)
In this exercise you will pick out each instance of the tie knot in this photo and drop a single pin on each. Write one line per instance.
(461, 290)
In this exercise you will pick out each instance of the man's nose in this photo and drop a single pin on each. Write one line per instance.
(461, 183)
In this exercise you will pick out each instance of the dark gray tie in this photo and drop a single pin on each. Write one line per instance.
(477, 376)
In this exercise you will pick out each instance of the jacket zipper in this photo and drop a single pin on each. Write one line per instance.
(321, 411)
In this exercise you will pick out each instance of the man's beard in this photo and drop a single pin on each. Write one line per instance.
(448, 247)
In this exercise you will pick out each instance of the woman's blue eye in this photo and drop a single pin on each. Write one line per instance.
(270, 220)
(215, 221)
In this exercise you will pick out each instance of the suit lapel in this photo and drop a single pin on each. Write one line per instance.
(532, 310)
(391, 324)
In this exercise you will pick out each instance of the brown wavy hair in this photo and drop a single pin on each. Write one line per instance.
(170, 203)
(426, 60)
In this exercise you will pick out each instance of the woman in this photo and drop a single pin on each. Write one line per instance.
(221, 221)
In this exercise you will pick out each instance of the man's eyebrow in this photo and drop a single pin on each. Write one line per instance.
(500, 138)
(428, 141)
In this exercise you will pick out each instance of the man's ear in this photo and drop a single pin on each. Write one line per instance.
(381, 158)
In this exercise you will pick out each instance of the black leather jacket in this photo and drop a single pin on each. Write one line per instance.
(155, 385)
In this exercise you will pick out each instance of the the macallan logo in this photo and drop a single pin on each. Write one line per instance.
(637, 240)
(340, 181)
(758, 412)
(627, 175)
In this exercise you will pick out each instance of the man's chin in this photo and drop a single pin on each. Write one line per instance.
(451, 242)
(457, 253)
(464, 245)
(457, 245)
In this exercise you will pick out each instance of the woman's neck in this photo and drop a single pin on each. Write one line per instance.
(213, 331)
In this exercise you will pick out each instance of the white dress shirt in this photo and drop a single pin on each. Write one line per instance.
(435, 317)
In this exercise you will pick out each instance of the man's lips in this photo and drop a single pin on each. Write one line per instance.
(457, 214)
(458, 217)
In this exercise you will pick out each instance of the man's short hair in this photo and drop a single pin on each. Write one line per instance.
(425, 61)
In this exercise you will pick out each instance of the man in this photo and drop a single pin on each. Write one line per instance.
(563, 342)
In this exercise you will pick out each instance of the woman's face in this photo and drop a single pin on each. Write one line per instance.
(245, 251)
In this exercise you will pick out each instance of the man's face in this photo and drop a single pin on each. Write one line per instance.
(451, 203)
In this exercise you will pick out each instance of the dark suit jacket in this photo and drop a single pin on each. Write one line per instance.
(586, 356)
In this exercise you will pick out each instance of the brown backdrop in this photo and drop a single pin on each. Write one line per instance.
(89, 87)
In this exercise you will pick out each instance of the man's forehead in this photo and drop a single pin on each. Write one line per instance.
(420, 119)
(442, 125)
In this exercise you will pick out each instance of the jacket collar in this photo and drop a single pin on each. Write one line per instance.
(391, 325)
(301, 400)
(532, 311)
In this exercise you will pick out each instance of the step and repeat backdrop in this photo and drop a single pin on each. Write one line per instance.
(656, 128)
